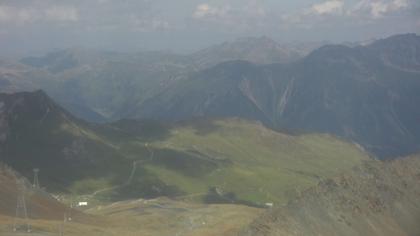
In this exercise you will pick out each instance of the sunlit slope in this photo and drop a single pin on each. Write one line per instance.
(242, 161)
(163, 216)
(376, 198)
(147, 218)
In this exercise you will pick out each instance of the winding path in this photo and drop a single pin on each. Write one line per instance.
(131, 176)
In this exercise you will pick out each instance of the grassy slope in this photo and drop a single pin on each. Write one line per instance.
(255, 163)
(148, 218)
(166, 217)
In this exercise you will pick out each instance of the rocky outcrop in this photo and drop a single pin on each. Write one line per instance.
(375, 198)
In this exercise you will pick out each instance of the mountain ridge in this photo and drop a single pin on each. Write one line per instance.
(347, 91)
(364, 93)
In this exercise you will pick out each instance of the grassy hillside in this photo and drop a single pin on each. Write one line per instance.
(167, 217)
(234, 160)
(215, 161)
(147, 218)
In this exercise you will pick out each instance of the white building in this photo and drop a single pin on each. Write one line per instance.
(269, 204)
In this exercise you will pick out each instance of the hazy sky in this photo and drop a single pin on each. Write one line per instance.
(30, 26)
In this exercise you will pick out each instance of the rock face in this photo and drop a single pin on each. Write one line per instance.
(374, 199)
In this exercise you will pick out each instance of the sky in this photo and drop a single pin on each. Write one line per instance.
(36, 26)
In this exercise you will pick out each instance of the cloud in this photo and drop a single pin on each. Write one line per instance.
(124, 16)
(94, 15)
(15, 15)
(400, 4)
(325, 8)
(313, 15)
(332, 11)
(255, 8)
(144, 24)
(134, 22)
(62, 13)
(247, 9)
(102, 1)
(28, 15)
(241, 16)
(378, 8)
(206, 10)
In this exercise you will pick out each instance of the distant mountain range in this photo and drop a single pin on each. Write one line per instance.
(261, 50)
(366, 94)
(99, 86)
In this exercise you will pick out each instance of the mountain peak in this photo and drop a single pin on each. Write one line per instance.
(37, 106)
(329, 52)
(336, 48)
(401, 52)
(34, 96)
(65, 59)
(259, 50)
(256, 41)
(399, 38)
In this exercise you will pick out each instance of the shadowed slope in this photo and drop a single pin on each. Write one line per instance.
(36, 133)
(40, 205)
